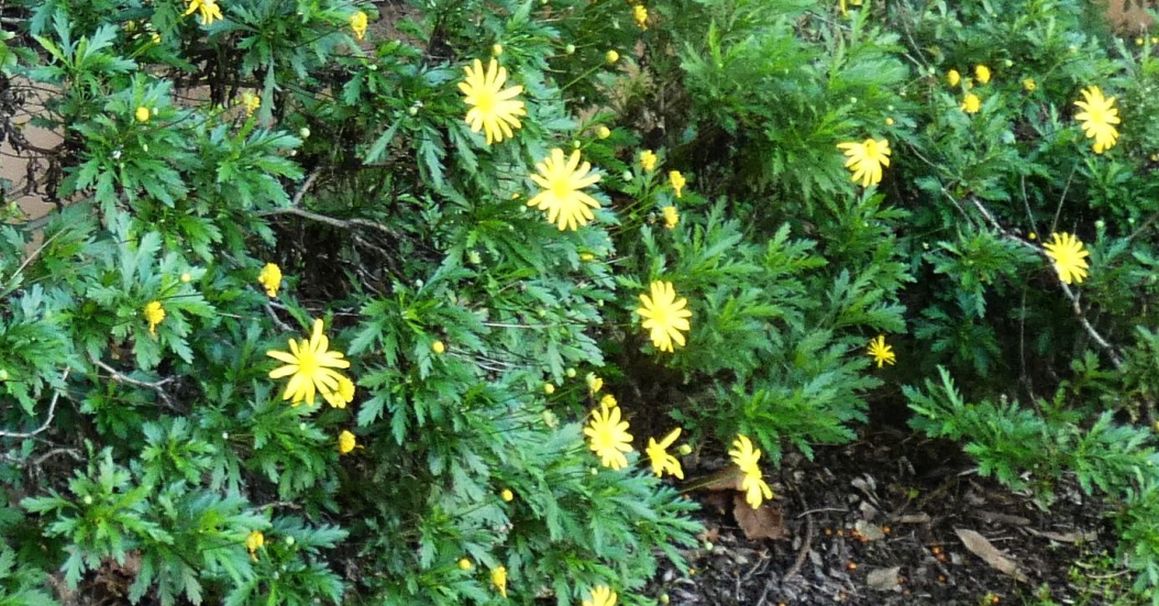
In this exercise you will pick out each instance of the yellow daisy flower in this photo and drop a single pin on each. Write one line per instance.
(1068, 256)
(648, 160)
(595, 383)
(747, 460)
(154, 315)
(664, 315)
(1098, 118)
(310, 367)
(499, 579)
(608, 437)
(561, 181)
(346, 442)
(677, 181)
(250, 102)
(671, 216)
(659, 457)
(880, 352)
(494, 110)
(982, 73)
(601, 595)
(640, 15)
(953, 78)
(271, 279)
(866, 159)
(971, 103)
(253, 542)
(207, 10)
(358, 24)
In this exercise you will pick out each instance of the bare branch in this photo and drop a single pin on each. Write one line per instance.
(47, 421)
(119, 377)
(1098, 338)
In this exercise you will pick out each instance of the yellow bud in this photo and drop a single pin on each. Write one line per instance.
(507, 495)
(570, 373)
(496, 50)
(548, 388)
(603, 132)
(684, 450)
(438, 347)
(611, 57)
(185, 278)
(142, 114)
(466, 564)
(889, 121)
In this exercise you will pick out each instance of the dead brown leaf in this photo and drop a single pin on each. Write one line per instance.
(983, 548)
(883, 579)
(1077, 536)
(764, 522)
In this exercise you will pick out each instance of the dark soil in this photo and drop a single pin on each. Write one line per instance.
(855, 512)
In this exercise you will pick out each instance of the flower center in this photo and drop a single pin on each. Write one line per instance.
(307, 362)
(561, 187)
(485, 101)
(871, 149)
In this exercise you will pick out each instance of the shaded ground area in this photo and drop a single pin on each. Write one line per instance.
(884, 521)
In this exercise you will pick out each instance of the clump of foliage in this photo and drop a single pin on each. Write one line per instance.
(404, 304)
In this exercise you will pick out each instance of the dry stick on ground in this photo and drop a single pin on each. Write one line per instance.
(1102, 342)
(47, 421)
(157, 386)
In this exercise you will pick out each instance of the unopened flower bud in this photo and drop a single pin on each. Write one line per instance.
(603, 132)
(304, 132)
(569, 49)
(496, 50)
(611, 57)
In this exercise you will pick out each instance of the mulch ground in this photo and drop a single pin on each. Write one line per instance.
(882, 522)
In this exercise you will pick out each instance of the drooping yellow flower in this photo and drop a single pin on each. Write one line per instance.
(640, 15)
(664, 315)
(494, 109)
(562, 181)
(880, 352)
(601, 595)
(982, 73)
(595, 383)
(611, 57)
(253, 542)
(142, 114)
(310, 367)
(662, 461)
(671, 216)
(677, 181)
(608, 437)
(971, 103)
(358, 23)
(866, 159)
(154, 315)
(251, 102)
(1069, 257)
(207, 10)
(747, 459)
(1030, 85)
(271, 279)
(346, 442)
(743, 454)
(1098, 118)
(953, 78)
(499, 579)
(648, 160)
